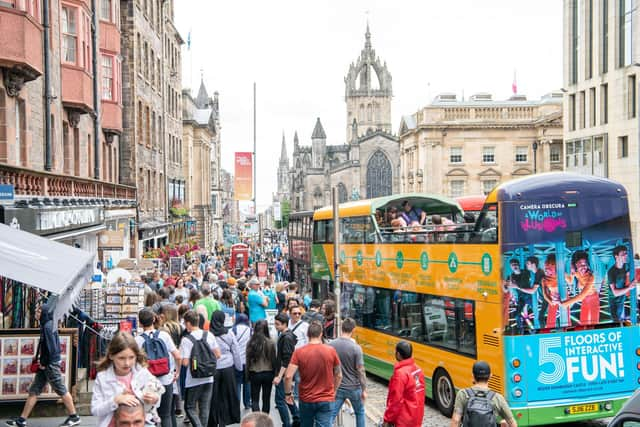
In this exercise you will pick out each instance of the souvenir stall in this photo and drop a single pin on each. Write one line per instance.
(30, 266)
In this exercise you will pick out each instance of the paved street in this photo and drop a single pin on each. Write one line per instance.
(432, 417)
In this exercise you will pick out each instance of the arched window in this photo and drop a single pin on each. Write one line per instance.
(369, 113)
(379, 175)
(361, 116)
(342, 193)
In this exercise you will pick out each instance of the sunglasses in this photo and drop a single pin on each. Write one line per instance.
(296, 314)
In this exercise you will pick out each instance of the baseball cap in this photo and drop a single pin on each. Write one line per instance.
(481, 369)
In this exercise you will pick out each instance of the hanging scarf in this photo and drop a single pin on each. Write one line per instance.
(217, 323)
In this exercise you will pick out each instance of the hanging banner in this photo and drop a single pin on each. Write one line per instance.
(243, 187)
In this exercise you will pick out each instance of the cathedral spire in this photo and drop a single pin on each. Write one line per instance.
(283, 151)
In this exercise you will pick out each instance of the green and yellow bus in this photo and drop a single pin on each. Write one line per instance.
(540, 286)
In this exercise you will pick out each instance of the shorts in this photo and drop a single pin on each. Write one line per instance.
(50, 374)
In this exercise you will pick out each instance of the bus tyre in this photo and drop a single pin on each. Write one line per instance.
(444, 392)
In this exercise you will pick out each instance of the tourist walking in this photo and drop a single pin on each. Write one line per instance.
(225, 406)
(470, 407)
(49, 371)
(285, 346)
(354, 379)
(122, 380)
(261, 363)
(197, 390)
(320, 376)
(405, 399)
(242, 331)
(159, 344)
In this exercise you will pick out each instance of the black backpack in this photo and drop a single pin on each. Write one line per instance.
(203, 361)
(479, 409)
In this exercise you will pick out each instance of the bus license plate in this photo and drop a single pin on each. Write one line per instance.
(583, 409)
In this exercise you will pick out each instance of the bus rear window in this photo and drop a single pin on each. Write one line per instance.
(323, 231)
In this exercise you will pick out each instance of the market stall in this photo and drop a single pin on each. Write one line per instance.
(30, 264)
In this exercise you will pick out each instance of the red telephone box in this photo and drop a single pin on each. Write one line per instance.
(239, 256)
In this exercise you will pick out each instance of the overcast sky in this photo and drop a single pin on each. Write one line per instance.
(298, 53)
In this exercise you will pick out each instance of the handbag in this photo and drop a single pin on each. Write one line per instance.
(35, 362)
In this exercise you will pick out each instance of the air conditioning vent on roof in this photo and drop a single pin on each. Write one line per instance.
(446, 97)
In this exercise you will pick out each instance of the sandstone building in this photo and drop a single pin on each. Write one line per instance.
(455, 147)
(61, 121)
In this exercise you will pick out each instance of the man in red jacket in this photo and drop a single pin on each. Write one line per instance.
(405, 401)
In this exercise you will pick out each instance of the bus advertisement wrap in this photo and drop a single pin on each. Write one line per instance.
(575, 365)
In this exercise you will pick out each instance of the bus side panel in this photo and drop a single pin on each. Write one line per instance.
(466, 272)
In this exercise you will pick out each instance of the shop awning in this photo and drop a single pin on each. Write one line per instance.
(45, 264)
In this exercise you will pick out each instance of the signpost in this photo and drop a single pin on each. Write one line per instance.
(175, 265)
(7, 193)
(262, 270)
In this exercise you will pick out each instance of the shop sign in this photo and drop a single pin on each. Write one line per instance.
(191, 228)
(7, 193)
(150, 233)
(111, 240)
(118, 213)
(46, 221)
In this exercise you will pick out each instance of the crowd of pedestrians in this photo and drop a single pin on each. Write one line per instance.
(205, 353)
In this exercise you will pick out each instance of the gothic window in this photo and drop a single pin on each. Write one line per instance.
(361, 113)
(379, 175)
(342, 193)
(369, 113)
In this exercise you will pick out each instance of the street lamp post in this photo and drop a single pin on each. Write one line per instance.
(535, 158)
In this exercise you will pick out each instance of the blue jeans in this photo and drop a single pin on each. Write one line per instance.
(244, 393)
(355, 397)
(316, 413)
(284, 408)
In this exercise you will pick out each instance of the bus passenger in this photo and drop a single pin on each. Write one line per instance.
(587, 291)
(521, 280)
(397, 222)
(618, 278)
(412, 214)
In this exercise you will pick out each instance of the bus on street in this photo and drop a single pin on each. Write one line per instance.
(541, 286)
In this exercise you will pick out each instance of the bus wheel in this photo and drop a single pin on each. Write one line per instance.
(443, 392)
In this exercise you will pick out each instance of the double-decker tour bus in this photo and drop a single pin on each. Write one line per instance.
(300, 235)
(541, 287)
(471, 204)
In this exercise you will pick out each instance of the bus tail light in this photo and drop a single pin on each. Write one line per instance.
(638, 351)
(515, 363)
(638, 366)
(517, 392)
(517, 378)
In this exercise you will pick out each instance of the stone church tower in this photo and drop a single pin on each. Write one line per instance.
(283, 172)
(368, 94)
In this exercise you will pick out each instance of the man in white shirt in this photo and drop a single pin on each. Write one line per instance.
(197, 390)
(299, 328)
(165, 410)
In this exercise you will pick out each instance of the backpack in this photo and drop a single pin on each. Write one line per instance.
(479, 409)
(157, 354)
(203, 361)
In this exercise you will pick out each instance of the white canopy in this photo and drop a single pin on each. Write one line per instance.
(45, 264)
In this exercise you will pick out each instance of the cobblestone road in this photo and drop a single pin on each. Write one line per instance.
(377, 398)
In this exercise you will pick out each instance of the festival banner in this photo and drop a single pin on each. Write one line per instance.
(243, 186)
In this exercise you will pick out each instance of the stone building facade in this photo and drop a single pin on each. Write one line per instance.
(201, 127)
(367, 164)
(151, 143)
(230, 206)
(69, 156)
(459, 148)
(601, 118)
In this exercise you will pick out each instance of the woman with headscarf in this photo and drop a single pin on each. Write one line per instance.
(225, 406)
(242, 332)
